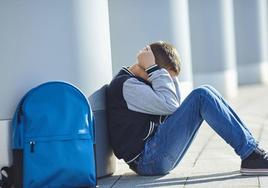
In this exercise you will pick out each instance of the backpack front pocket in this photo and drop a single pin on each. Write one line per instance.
(56, 161)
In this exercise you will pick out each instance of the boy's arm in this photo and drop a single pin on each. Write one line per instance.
(177, 86)
(160, 99)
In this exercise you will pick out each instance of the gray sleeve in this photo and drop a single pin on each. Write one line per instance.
(160, 99)
(177, 86)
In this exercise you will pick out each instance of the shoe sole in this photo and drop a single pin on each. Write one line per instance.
(254, 172)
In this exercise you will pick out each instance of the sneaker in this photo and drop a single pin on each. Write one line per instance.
(255, 164)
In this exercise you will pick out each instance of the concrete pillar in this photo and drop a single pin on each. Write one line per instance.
(251, 41)
(213, 45)
(134, 24)
(50, 40)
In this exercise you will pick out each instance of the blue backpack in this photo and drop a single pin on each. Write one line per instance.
(53, 138)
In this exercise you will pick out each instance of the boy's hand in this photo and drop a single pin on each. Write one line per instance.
(146, 58)
(138, 71)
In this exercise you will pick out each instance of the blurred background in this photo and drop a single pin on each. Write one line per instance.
(85, 42)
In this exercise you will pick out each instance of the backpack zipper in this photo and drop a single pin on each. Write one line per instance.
(32, 143)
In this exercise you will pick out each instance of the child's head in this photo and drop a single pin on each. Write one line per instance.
(166, 56)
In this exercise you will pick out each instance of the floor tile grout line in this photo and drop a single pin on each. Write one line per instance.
(262, 128)
(203, 148)
(199, 154)
(184, 185)
(252, 101)
(116, 181)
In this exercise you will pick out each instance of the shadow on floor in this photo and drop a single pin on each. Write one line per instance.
(194, 179)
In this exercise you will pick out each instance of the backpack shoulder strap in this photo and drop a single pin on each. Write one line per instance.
(16, 176)
(6, 177)
(7, 174)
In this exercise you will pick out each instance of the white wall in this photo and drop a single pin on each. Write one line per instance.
(50, 40)
(213, 44)
(251, 41)
(5, 152)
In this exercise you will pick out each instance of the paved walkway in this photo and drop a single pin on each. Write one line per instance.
(209, 162)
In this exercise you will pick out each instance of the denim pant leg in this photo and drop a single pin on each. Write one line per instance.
(165, 149)
(215, 92)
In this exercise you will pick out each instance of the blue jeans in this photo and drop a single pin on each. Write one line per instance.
(164, 150)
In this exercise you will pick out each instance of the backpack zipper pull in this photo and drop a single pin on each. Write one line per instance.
(32, 143)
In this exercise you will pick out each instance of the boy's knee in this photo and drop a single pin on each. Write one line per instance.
(208, 87)
(202, 90)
